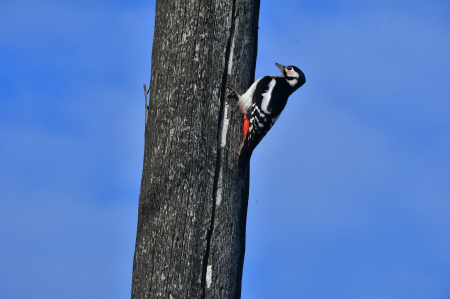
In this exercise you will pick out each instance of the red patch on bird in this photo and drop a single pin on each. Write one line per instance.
(246, 125)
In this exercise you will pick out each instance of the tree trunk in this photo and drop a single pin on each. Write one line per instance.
(190, 239)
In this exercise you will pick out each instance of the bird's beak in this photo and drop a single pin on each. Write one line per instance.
(281, 67)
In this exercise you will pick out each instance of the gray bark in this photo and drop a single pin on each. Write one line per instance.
(190, 239)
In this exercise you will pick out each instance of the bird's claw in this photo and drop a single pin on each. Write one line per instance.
(233, 91)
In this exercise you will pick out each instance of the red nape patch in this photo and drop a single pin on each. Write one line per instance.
(245, 127)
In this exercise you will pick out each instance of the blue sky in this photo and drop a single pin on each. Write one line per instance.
(356, 205)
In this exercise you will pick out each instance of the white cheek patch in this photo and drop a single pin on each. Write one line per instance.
(292, 73)
(267, 96)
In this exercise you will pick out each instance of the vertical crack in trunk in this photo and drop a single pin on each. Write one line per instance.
(222, 118)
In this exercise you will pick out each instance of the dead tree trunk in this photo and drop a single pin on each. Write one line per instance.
(190, 239)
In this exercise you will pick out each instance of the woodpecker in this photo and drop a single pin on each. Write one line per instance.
(262, 104)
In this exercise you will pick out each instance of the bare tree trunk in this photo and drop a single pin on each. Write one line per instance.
(190, 239)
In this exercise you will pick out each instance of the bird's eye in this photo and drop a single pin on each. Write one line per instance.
(289, 68)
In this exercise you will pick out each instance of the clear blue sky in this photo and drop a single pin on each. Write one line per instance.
(350, 191)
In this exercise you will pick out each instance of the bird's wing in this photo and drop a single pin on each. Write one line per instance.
(261, 88)
(255, 133)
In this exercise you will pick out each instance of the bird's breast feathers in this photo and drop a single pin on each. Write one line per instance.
(245, 100)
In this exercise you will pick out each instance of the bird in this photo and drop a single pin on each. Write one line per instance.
(262, 104)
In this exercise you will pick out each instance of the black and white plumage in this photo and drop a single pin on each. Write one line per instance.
(262, 104)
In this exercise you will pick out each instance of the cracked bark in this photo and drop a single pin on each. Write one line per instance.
(190, 238)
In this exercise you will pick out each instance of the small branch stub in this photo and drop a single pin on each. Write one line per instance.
(146, 106)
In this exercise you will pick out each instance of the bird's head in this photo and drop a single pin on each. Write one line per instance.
(293, 74)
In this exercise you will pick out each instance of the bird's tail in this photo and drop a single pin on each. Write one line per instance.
(244, 154)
